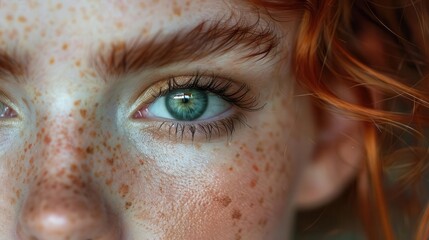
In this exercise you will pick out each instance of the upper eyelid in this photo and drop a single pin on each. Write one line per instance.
(241, 97)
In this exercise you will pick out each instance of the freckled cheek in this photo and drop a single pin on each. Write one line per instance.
(251, 191)
(11, 175)
(16, 171)
(239, 194)
(258, 182)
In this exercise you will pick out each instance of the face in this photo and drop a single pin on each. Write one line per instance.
(148, 120)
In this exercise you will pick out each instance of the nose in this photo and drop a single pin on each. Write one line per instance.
(64, 201)
(57, 211)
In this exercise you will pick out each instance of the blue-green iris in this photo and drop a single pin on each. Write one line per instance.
(186, 104)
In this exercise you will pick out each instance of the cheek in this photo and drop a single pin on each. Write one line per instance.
(233, 189)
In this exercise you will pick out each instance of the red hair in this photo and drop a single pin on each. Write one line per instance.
(328, 49)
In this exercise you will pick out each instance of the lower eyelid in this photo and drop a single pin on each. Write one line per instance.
(190, 132)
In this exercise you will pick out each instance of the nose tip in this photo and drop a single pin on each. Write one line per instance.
(66, 215)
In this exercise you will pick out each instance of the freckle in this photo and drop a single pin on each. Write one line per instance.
(47, 139)
(18, 193)
(177, 11)
(77, 63)
(259, 149)
(90, 150)
(81, 152)
(123, 190)
(262, 222)
(238, 234)
(225, 201)
(109, 161)
(255, 168)
(93, 74)
(77, 102)
(59, 6)
(52, 60)
(76, 181)
(231, 169)
(133, 172)
(9, 18)
(73, 167)
(22, 19)
(253, 183)
(82, 113)
(128, 205)
(28, 29)
(237, 155)
(119, 25)
(236, 214)
(93, 134)
(108, 181)
(261, 201)
(141, 161)
(65, 46)
(80, 130)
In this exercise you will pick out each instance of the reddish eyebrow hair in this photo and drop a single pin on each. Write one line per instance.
(204, 40)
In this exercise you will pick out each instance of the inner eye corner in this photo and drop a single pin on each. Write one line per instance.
(137, 114)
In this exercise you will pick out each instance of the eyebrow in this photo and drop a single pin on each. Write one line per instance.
(207, 39)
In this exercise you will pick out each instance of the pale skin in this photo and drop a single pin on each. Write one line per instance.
(77, 165)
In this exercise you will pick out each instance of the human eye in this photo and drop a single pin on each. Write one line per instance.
(187, 107)
(6, 111)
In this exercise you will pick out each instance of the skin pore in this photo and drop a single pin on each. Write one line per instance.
(76, 162)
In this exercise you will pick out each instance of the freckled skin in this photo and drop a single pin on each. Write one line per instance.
(73, 166)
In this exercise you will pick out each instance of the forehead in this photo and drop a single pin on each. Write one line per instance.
(49, 21)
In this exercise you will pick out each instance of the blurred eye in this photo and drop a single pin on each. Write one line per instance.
(6, 111)
(188, 105)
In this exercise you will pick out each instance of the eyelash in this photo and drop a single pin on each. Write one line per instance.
(241, 98)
